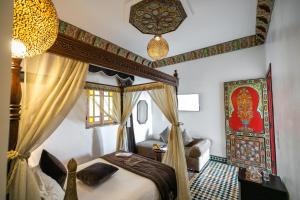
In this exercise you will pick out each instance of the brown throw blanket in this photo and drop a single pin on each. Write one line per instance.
(162, 175)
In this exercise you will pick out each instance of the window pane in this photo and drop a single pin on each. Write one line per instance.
(91, 119)
(106, 104)
(96, 99)
(91, 92)
(111, 105)
(91, 106)
(97, 105)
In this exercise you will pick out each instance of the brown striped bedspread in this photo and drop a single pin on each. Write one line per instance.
(162, 175)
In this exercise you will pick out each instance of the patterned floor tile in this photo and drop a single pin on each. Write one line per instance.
(217, 181)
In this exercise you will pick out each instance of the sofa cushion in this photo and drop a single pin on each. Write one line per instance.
(186, 137)
(164, 135)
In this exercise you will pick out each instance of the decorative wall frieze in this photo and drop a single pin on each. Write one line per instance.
(263, 19)
(86, 37)
(225, 47)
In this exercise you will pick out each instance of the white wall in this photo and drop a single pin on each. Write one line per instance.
(206, 77)
(283, 51)
(6, 13)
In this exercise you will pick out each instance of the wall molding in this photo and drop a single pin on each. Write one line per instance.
(234, 45)
(263, 18)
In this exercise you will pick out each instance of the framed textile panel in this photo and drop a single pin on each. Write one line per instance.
(248, 150)
(247, 123)
(271, 119)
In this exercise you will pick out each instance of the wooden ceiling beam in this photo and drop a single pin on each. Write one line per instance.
(75, 49)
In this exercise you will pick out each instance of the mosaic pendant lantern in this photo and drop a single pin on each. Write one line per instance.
(35, 27)
(158, 48)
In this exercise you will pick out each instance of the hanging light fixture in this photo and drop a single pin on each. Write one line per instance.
(158, 48)
(35, 29)
(157, 17)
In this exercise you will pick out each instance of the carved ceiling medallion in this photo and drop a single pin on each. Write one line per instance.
(157, 17)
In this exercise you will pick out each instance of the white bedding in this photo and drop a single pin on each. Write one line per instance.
(123, 185)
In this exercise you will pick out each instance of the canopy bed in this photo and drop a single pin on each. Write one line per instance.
(52, 82)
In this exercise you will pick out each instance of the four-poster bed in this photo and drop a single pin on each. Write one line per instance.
(70, 48)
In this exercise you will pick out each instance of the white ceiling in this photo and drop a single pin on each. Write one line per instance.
(209, 22)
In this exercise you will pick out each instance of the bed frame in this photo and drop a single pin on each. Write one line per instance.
(78, 50)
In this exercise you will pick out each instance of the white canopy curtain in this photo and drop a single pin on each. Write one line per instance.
(165, 98)
(51, 86)
(129, 101)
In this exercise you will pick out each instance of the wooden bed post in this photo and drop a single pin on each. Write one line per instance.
(15, 100)
(71, 190)
(176, 76)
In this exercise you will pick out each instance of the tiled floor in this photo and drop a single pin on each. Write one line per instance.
(218, 181)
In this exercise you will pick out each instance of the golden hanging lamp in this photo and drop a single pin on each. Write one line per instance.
(158, 48)
(35, 27)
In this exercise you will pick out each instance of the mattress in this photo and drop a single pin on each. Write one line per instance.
(122, 185)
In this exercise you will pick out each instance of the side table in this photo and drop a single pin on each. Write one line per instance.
(267, 190)
(158, 154)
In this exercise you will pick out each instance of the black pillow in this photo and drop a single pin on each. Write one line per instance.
(51, 166)
(96, 173)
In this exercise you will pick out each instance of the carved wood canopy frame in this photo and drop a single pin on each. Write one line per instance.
(72, 48)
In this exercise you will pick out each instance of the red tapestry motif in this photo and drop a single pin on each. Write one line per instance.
(245, 116)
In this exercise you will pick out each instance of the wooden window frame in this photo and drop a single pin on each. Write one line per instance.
(100, 115)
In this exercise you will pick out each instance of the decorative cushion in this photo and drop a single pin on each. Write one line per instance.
(164, 135)
(96, 173)
(186, 137)
(52, 167)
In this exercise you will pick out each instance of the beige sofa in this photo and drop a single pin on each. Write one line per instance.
(197, 152)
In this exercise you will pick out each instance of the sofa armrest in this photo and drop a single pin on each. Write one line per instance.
(194, 152)
(199, 147)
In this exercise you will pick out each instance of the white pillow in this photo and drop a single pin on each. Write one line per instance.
(49, 188)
